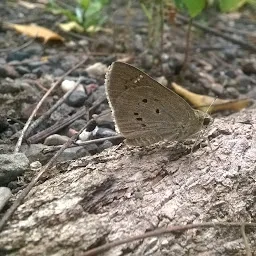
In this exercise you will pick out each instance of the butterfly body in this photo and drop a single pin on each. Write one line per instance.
(145, 111)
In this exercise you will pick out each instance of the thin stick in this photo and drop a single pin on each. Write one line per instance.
(166, 230)
(56, 127)
(100, 140)
(27, 189)
(201, 132)
(53, 108)
(24, 193)
(19, 47)
(246, 243)
(215, 32)
(18, 145)
(162, 29)
(188, 41)
(88, 142)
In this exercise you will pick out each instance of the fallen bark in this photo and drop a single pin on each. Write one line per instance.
(128, 191)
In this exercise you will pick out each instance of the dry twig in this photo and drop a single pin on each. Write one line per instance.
(53, 108)
(215, 32)
(18, 145)
(162, 231)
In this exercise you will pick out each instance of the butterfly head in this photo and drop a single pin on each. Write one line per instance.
(204, 118)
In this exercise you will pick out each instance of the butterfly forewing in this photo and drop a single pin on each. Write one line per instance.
(145, 111)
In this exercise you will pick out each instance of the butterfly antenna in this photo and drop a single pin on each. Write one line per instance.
(201, 133)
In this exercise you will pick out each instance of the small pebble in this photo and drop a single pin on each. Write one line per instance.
(12, 166)
(55, 139)
(37, 71)
(101, 132)
(58, 72)
(147, 61)
(78, 124)
(18, 56)
(90, 88)
(73, 153)
(97, 70)
(35, 64)
(85, 135)
(105, 145)
(22, 70)
(249, 68)
(162, 80)
(217, 88)
(5, 195)
(68, 85)
(138, 43)
(35, 166)
(104, 119)
(244, 84)
(76, 99)
(71, 132)
(8, 71)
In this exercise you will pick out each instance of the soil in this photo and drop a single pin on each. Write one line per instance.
(104, 191)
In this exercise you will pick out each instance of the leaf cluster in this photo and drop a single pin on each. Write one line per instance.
(87, 13)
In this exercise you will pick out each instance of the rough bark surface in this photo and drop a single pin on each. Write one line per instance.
(128, 191)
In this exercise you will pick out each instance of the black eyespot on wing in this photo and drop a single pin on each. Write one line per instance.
(139, 118)
(157, 111)
(143, 125)
(136, 114)
(145, 100)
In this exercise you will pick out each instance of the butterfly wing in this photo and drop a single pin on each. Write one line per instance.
(146, 112)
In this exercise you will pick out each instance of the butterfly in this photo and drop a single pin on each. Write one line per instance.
(146, 112)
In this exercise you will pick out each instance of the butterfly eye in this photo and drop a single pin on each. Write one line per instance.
(207, 121)
(145, 100)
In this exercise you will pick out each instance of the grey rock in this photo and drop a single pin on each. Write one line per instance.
(78, 124)
(97, 94)
(12, 166)
(55, 139)
(35, 64)
(138, 43)
(106, 144)
(147, 60)
(38, 152)
(58, 72)
(92, 148)
(8, 86)
(76, 99)
(101, 132)
(8, 71)
(72, 153)
(61, 112)
(105, 119)
(249, 68)
(5, 195)
(22, 70)
(37, 71)
(244, 84)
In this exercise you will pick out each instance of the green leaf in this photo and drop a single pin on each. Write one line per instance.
(79, 14)
(84, 3)
(195, 7)
(179, 4)
(231, 5)
(146, 11)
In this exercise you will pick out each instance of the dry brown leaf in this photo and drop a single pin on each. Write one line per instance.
(31, 6)
(36, 31)
(71, 26)
(210, 104)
